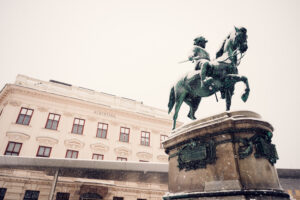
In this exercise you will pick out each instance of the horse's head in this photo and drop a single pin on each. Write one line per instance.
(240, 40)
(236, 40)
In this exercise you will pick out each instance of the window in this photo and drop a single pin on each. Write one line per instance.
(71, 154)
(13, 149)
(2, 193)
(62, 196)
(124, 134)
(102, 130)
(162, 138)
(24, 116)
(31, 195)
(52, 121)
(78, 126)
(97, 156)
(145, 138)
(43, 151)
(118, 198)
(121, 159)
(90, 196)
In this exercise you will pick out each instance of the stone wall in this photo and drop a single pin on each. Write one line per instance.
(17, 181)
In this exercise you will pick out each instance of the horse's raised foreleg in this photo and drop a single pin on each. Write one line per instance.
(234, 78)
(178, 104)
(247, 90)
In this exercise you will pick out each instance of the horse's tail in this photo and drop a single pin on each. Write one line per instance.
(171, 99)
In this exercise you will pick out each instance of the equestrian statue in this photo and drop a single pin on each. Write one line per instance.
(211, 76)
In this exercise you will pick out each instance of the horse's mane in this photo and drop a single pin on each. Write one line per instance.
(221, 50)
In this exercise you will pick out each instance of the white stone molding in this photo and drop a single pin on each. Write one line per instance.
(17, 136)
(146, 129)
(99, 148)
(135, 128)
(47, 141)
(162, 158)
(155, 131)
(67, 114)
(74, 144)
(113, 123)
(42, 109)
(15, 103)
(92, 119)
(144, 155)
(122, 151)
(126, 126)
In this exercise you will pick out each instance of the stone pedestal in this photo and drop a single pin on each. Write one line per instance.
(226, 156)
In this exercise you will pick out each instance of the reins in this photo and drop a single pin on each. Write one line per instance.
(235, 53)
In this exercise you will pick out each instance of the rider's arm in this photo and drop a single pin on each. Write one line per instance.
(195, 55)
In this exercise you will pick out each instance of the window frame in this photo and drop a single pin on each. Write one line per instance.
(78, 126)
(73, 151)
(18, 153)
(57, 197)
(27, 109)
(98, 155)
(32, 191)
(2, 193)
(52, 121)
(43, 156)
(103, 124)
(124, 133)
(122, 159)
(166, 137)
(118, 198)
(145, 138)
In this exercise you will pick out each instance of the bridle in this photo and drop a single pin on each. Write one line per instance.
(236, 53)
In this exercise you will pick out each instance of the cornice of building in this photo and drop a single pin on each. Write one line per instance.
(89, 95)
(95, 101)
(10, 161)
(17, 162)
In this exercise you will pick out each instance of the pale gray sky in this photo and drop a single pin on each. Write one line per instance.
(132, 48)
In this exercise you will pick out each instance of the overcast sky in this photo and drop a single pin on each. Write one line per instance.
(132, 48)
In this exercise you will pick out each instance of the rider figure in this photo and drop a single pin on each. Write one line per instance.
(201, 56)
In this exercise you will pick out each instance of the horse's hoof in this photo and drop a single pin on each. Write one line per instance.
(192, 117)
(245, 97)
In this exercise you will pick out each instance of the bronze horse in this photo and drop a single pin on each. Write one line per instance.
(221, 75)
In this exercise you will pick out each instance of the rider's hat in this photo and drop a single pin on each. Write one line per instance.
(200, 39)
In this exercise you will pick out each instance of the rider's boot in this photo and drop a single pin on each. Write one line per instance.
(203, 74)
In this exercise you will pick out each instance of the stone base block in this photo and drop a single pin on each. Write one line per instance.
(227, 155)
(230, 195)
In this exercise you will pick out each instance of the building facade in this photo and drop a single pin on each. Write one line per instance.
(63, 142)
(40, 119)
(57, 120)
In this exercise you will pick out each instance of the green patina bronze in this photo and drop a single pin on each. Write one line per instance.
(245, 148)
(210, 77)
(263, 147)
(196, 155)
